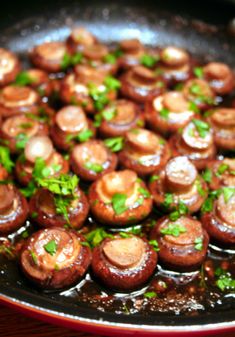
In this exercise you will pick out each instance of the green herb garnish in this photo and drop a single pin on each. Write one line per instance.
(173, 229)
(96, 236)
(225, 280)
(154, 178)
(221, 169)
(198, 243)
(21, 141)
(150, 294)
(119, 203)
(207, 175)
(198, 72)
(115, 144)
(154, 244)
(51, 247)
(202, 127)
(5, 159)
(228, 193)
(23, 79)
(149, 61)
(164, 113)
(94, 167)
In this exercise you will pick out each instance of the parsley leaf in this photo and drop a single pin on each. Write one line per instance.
(119, 203)
(84, 135)
(5, 159)
(23, 79)
(221, 169)
(208, 203)
(112, 83)
(164, 113)
(225, 280)
(51, 247)
(150, 294)
(198, 72)
(198, 243)
(96, 236)
(207, 175)
(154, 244)
(200, 190)
(169, 199)
(182, 209)
(70, 60)
(201, 127)
(145, 193)
(110, 58)
(154, 178)
(115, 144)
(21, 141)
(97, 168)
(173, 229)
(148, 61)
(228, 193)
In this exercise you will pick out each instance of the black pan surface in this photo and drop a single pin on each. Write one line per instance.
(25, 24)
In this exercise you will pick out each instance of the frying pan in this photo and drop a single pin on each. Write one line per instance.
(26, 23)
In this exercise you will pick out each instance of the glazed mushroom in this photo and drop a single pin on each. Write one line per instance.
(175, 65)
(54, 258)
(124, 264)
(196, 142)
(40, 147)
(140, 83)
(17, 130)
(44, 209)
(220, 77)
(169, 112)
(97, 55)
(119, 117)
(70, 124)
(219, 221)
(39, 80)
(78, 39)
(144, 152)
(200, 93)
(84, 87)
(222, 121)
(221, 173)
(92, 159)
(18, 99)
(49, 56)
(13, 209)
(3, 173)
(182, 243)
(119, 199)
(131, 52)
(178, 182)
(9, 67)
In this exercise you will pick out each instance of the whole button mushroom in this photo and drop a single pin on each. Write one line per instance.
(221, 173)
(78, 39)
(70, 124)
(196, 142)
(92, 159)
(16, 100)
(219, 221)
(13, 209)
(55, 258)
(182, 243)
(9, 67)
(169, 112)
(140, 83)
(119, 199)
(144, 151)
(124, 264)
(40, 147)
(220, 77)
(179, 182)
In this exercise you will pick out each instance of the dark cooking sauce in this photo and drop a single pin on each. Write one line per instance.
(167, 291)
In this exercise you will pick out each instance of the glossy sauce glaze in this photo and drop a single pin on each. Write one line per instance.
(150, 226)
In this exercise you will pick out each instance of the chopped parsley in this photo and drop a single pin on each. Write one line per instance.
(154, 244)
(224, 280)
(51, 247)
(173, 229)
(110, 58)
(112, 83)
(202, 127)
(193, 107)
(21, 141)
(23, 78)
(221, 169)
(96, 236)
(70, 60)
(182, 209)
(34, 257)
(149, 61)
(154, 178)
(150, 294)
(207, 175)
(145, 193)
(109, 114)
(208, 203)
(200, 190)
(198, 72)
(228, 193)
(5, 159)
(164, 113)
(198, 243)
(94, 167)
(119, 203)
(115, 144)
(168, 200)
